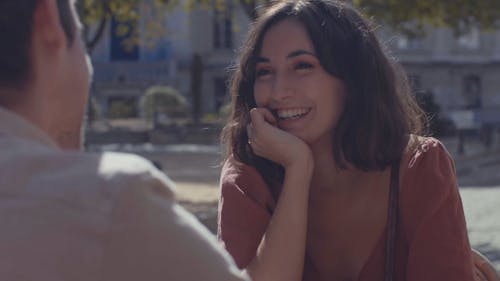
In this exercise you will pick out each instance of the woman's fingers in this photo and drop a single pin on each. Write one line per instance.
(260, 118)
(268, 141)
(269, 117)
(262, 115)
(260, 131)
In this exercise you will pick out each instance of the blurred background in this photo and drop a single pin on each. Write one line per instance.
(161, 70)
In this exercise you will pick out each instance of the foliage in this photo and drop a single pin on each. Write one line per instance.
(97, 14)
(122, 108)
(210, 118)
(410, 17)
(249, 6)
(225, 111)
(163, 100)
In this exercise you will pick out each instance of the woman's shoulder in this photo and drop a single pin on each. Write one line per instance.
(235, 172)
(243, 179)
(427, 179)
(426, 155)
(427, 167)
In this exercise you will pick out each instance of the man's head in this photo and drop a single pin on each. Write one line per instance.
(44, 70)
(16, 25)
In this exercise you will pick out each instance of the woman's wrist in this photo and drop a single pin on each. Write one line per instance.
(303, 165)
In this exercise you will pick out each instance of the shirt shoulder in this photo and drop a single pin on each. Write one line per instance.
(148, 234)
(54, 203)
(425, 163)
(109, 176)
(427, 180)
(245, 180)
(120, 170)
(426, 150)
(245, 208)
(432, 215)
(88, 181)
(152, 238)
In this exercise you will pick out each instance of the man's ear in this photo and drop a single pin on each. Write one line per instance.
(47, 29)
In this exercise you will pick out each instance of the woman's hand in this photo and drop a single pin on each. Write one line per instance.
(280, 255)
(270, 142)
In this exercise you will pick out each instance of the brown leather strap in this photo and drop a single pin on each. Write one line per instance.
(392, 222)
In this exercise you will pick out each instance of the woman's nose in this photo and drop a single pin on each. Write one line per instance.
(282, 87)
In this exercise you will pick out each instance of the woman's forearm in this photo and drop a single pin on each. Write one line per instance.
(280, 255)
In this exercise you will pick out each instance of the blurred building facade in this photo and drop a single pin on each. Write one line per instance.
(461, 72)
(122, 75)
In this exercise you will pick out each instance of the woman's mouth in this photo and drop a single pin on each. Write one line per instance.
(292, 113)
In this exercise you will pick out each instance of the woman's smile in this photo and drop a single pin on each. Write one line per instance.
(293, 119)
(292, 113)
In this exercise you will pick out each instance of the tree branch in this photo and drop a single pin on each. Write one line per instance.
(97, 35)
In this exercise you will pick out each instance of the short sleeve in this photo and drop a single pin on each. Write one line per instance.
(433, 217)
(153, 238)
(245, 209)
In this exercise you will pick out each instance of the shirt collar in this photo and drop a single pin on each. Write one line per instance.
(14, 124)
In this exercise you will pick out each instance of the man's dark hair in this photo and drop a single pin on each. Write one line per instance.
(16, 25)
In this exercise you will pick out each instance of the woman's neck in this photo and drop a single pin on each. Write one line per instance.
(328, 175)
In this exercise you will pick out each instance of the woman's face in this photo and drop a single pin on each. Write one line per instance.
(292, 84)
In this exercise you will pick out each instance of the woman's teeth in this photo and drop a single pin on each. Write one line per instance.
(292, 113)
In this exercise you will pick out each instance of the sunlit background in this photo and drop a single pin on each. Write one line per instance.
(161, 70)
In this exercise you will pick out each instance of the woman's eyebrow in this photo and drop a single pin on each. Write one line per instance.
(299, 53)
(291, 55)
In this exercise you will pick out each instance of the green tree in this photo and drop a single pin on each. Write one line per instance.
(409, 16)
(97, 14)
(163, 100)
(249, 6)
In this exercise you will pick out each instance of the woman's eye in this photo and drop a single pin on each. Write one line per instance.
(262, 72)
(303, 65)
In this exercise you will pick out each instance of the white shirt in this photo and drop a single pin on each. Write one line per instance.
(81, 216)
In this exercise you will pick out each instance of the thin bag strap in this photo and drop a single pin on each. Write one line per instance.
(392, 221)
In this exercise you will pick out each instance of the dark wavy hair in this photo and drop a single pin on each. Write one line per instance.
(380, 112)
(16, 25)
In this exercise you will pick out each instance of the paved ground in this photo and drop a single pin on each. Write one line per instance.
(196, 170)
(482, 211)
(479, 180)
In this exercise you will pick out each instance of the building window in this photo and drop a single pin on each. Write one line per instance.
(121, 34)
(472, 91)
(470, 40)
(223, 29)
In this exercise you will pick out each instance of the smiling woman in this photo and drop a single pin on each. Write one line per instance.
(291, 83)
(323, 136)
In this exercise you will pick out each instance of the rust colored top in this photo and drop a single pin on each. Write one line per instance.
(431, 244)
